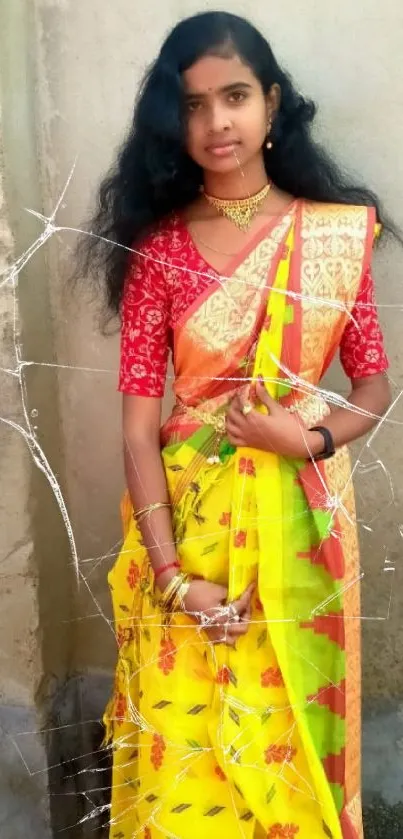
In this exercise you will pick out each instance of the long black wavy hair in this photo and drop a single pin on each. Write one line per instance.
(153, 174)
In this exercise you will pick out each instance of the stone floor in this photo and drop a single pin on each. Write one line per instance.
(383, 821)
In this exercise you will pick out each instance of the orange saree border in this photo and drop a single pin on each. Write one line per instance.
(333, 246)
(218, 335)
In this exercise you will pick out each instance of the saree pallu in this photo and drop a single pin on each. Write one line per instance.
(262, 740)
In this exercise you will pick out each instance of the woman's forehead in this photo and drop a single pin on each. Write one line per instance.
(212, 73)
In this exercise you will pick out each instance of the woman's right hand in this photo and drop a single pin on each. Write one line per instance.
(207, 603)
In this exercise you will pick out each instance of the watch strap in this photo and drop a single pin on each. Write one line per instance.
(329, 448)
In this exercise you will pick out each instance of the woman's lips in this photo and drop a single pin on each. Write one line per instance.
(222, 150)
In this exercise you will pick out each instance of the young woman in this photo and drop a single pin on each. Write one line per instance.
(245, 253)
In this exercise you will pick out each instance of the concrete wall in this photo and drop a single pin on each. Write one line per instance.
(20, 660)
(35, 574)
(70, 71)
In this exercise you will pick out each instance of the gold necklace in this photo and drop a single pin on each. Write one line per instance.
(240, 211)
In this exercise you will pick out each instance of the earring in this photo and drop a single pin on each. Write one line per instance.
(269, 144)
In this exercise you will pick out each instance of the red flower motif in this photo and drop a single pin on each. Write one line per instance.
(120, 636)
(166, 656)
(220, 774)
(120, 707)
(153, 316)
(267, 322)
(283, 831)
(124, 635)
(223, 676)
(247, 467)
(133, 575)
(225, 519)
(240, 539)
(272, 678)
(147, 833)
(258, 605)
(279, 754)
(157, 751)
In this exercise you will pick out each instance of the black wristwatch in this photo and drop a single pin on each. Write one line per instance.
(329, 449)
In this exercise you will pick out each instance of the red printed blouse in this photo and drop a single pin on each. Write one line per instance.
(157, 295)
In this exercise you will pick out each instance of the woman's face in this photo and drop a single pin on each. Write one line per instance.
(226, 113)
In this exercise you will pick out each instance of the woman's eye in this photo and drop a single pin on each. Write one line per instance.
(193, 106)
(237, 96)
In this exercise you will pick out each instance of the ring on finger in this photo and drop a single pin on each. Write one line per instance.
(247, 409)
(233, 613)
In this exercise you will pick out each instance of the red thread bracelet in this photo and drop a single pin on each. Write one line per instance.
(163, 568)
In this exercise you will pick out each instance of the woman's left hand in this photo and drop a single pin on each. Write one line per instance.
(278, 431)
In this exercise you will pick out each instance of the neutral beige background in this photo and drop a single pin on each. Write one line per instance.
(85, 62)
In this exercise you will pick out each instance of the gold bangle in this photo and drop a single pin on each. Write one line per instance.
(146, 511)
(183, 592)
(177, 603)
(169, 590)
(175, 591)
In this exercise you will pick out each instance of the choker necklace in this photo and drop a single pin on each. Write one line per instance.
(240, 211)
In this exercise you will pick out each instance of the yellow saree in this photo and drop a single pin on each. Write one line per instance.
(262, 740)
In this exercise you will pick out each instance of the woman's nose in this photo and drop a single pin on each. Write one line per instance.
(219, 120)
